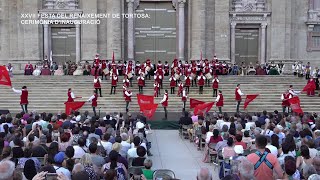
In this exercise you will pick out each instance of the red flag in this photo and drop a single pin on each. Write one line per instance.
(194, 103)
(249, 98)
(295, 104)
(4, 76)
(75, 106)
(148, 109)
(112, 56)
(310, 86)
(144, 99)
(203, 108)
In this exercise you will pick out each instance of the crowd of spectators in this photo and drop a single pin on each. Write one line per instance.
(38, 146)
(257, 146)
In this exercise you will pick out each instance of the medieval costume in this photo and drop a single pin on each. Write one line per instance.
(187, 82)
(59, 71)
(273, 70)
(173, 83)
(201, 80)
(127, 96)
(215, 86)
(45, 71)
(184, 98)
(285, 103)
(114, 81)
(311, 90)
(78, 71)
(94, 101)
(164, 103)
(97, 85)
(238, 95)
(308, 70)
(23, 98)
(141, 83)
(219, 101)
(28, 69)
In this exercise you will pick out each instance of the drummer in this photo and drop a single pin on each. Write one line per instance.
(129, 72)
(137, 68)
(194, 73)
(186, 68)
(207, 71)
(177, 76)
(159, 74)
(166, 68)
(149, 66)
(105, 70)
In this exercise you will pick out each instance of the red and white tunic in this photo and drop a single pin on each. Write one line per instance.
(158, 78)
(238, 94)
(71, 96)
(201, 80)
(129, 69)
(103, 65)
(115, 71)
(23, 96)
(285, 97)
(94, 100)
(180, 88)
(166, 68)
(140, 81)
(137, 68)
(114, 80)
(97, 83)
(187, 81)
(219, 100)
(142, 70)
(165, 100)
(126, 82)
(159, 65)
(207, 70)
(148, 64)
(127, 95)
(215, 83)
(156, 88)
(172, 81)
(160, 71)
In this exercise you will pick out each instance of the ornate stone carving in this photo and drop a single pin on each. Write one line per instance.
(61, 4)
(249, 5)
(248, 18)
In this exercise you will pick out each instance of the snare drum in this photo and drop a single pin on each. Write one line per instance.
(106, 71)
(129, 75)
(208, 76)
(193, 75)
(148, 68)
(177, 76)
(175, 69)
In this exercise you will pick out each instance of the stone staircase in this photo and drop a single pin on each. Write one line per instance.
(48, 93)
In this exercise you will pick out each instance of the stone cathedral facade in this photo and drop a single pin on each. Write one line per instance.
(235, 30)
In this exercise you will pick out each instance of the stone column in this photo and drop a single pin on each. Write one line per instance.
(263, 43)
(114, 33)
(233, 42)
(130, 30)
(78, 43)
(181, 4)
(198, 29)
(46, 40)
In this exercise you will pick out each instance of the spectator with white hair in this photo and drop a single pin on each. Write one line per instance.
(125, 146)
(245, 169)
(77, 168)
(6, 170)
(204, 174)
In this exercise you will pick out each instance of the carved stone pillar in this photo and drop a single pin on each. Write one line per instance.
(46, 40)
(233, 42)
(263, 43)
(130, 30)
(181, 5)
(78, 42)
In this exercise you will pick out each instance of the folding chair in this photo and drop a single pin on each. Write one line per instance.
(161, 173)
(184, 131)
(212, 151)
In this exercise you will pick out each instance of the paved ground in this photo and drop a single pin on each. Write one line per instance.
(181, 156)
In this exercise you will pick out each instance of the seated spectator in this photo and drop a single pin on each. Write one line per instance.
(93, 134)
(115, 165)
(76, 135)
(240, 142)
(317, 138)
(58, 160)
(264, 169)
(77, 168)
(28, 155)
(96, 159)
(6, 169)
(308, 171)
(17, 151)
(80, 149)
(305, 158)
(289, 141)
(139, 161)
(245, 170)
(215, 138)
(147, 172)
(125, 146)
(82, 175)
(116, 147)
(228, 151)
(53, 150)
(89, 167)
(221, 144)
(290, 169)
(316, 164)
(273, 150)
(29, 169)
(65, 140)
(110, 175)
(209, 133)
(313, 151)
(185, 120)
(285, 153)
(204, 174)
(132, 153)
(42, 149)
(105, 142)
(275, 143)
(69, 162)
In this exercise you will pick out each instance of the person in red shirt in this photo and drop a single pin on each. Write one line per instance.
(311, 91)
(94, 101)
(114, 80)
(71, 95)
(140, 83)
(173, 83)
(23, 98)
(180, 89)
(215, 85)
(238, 95)
(240, 142)
(127, 96)
(219, 101)
(201, 81)
(285, 103)
(156, 89)
(97, 85)
(216, 137)
(104, 70)
(164, 103)
(187, 82)
(28, 69)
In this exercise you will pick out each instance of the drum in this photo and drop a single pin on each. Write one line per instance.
(129, 75)
(106, 71)
(208, 76)
(177, 76)
(193, 75)
(175, 69)
(148, 68)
